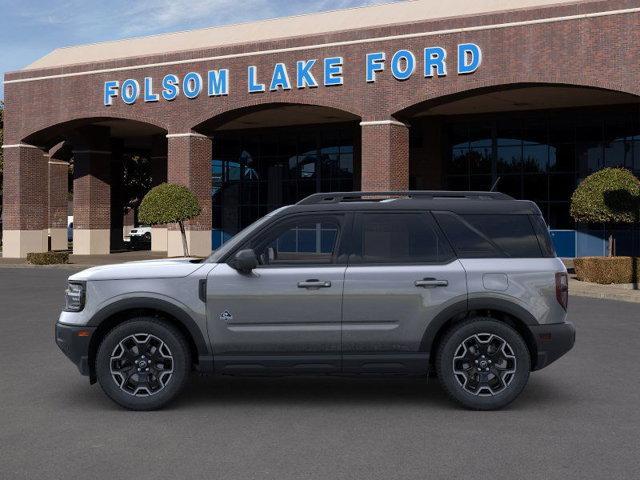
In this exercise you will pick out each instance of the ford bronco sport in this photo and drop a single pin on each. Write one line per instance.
(463, 284)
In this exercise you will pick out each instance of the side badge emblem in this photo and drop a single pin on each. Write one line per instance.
(226, 316)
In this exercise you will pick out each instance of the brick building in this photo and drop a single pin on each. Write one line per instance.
(417, 94)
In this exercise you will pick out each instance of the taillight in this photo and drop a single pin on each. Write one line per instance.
(562, 289)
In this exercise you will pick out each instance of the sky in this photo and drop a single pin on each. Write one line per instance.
(29, 29)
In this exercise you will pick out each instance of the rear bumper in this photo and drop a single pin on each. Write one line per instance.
(74, 343)
(552, 341)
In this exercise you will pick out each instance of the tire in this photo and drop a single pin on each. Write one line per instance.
(483, 364)
(143, 363)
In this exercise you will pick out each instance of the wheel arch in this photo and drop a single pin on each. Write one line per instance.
(118, 312)
(502, 310)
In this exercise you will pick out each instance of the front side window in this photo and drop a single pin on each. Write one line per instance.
(305, 241)
(399, 238)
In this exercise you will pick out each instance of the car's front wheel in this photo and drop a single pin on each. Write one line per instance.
(483, 364)
(143, 363)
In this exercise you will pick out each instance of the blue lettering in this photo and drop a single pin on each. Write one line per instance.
(375, 63)
(130, 91)
(110, 92)
(170, 87)
(304, 77)
(333, 71)
(149, 96)
(280, 78)
(218, 82)
(403, 71)
(254, 87)
(434, 57)
(469, 58)
(192, 84)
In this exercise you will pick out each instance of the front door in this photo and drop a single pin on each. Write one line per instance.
(402, 273)
(286, 314)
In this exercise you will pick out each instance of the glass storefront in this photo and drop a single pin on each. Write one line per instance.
(256, 171)
(541, 155)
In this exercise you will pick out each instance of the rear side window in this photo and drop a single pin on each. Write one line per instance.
(544, 239)
(490, 236)
(399, 238)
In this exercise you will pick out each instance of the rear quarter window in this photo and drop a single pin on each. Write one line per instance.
(491, 236)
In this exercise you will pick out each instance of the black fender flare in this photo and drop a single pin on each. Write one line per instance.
(164, 306)
(462, 308)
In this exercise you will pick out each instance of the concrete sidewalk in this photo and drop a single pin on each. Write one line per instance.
(85, 261)
(623, 292)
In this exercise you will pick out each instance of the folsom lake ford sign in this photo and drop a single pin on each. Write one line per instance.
(309, 73)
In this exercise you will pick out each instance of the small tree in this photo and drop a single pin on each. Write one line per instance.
(170, 203)
(611, 195)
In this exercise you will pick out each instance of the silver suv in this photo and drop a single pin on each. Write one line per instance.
(462, 284)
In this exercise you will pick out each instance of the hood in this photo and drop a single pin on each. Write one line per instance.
(163, 268)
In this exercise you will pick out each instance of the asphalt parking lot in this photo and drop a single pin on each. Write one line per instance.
(579, 418)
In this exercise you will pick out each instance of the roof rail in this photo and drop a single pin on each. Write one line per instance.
(337, 197)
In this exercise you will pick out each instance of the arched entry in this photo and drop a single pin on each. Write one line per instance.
(113, 161)
(537, 141)
(271, 155)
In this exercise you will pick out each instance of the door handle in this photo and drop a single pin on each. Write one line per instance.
(431, 283)
(313, 283)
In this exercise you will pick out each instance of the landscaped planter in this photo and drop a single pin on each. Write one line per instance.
(606, 270)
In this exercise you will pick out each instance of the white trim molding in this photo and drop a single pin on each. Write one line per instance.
(477, 28)
(21, 145)
(189, 134)
(58, 162)
(383, 122)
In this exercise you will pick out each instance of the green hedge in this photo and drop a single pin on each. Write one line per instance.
(607, 270)
(48, 258)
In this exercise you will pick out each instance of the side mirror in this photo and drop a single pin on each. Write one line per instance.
(245, 260)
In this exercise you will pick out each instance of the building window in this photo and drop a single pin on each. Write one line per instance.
(256, 171)
(541, 156)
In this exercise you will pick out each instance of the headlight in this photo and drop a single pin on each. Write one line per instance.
(74, 297)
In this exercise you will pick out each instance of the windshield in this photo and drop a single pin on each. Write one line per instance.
(239, 237)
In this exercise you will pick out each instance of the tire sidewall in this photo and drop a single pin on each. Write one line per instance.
(179, 351)
(451, 342)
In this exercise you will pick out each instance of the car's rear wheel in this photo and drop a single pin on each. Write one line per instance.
(143, 363)
(483, 364)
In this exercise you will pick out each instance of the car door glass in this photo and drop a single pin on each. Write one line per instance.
(303, 242)
(401, 238)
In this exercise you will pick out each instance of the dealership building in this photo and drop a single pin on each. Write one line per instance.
(534, 94)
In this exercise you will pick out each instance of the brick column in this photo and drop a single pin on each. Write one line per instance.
(189, 164)
(58, 191)
(158, 175)
(385, 155)
(92, 192)
(25, 211)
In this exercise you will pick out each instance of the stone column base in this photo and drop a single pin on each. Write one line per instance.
(91, 241)
(159, 239)
(17, 243)
(58, 238)
(198, 241)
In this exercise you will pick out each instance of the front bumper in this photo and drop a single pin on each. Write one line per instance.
(552, 341)
(74, 343)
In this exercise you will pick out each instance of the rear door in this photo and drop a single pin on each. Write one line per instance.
(401, 274)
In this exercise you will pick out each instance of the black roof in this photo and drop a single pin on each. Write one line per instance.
(452, 201)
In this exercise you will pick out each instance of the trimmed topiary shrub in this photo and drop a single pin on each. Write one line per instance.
(610, 195)
(170, 203)
(606, 270)
(48, 258)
